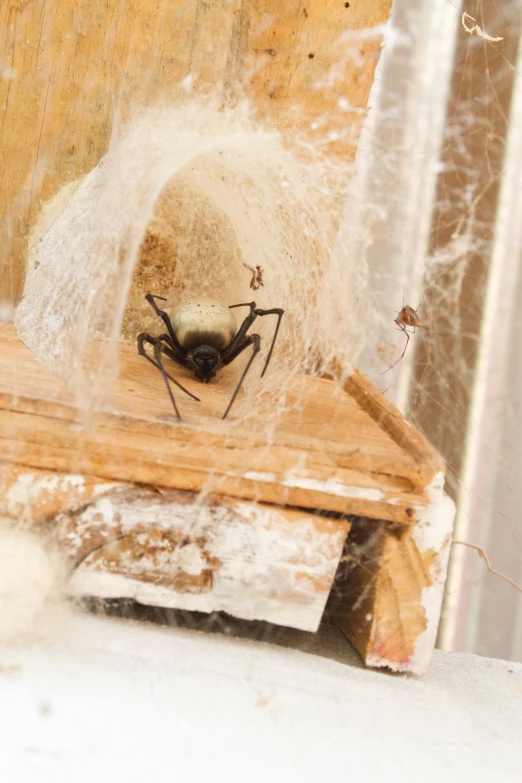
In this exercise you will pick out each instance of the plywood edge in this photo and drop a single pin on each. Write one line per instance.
(366, 475)
(384, 413)
(45, 443)
(405, 475)
(392, 613)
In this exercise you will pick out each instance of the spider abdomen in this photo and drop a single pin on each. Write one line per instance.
(203, 322)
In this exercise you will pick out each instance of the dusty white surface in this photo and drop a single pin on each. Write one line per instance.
(112, 700)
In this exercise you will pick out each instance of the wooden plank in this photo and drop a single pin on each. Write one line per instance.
(177, 549)
(393, 423)
(68, 66)
(126, 541)
(174, 549)
(325, 452)
(313, 66)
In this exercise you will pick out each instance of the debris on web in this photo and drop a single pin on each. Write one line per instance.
(474, 28)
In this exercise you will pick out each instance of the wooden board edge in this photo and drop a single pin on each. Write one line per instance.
(387, 416)
(393, 613)
(101, 465)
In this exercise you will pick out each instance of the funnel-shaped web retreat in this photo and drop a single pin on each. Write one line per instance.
(184, 204)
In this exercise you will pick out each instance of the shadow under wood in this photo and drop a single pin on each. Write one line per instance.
(352, 599)
(347, 621)
(328, 642)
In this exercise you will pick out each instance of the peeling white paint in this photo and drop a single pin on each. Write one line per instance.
(252, 607)
(264, 565)
(102, 489)
(432, 519)
(331, 486)
(334, 487)
(191, 560)
(253, 476)
(433, 532)
(32, 487)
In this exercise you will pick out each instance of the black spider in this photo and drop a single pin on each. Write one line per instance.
(202, 340)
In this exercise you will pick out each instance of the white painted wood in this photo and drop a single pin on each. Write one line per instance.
(254, 561)
(110, 700)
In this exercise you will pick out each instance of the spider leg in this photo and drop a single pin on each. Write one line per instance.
(403, 329)
(241, 333)
(245, 326)
(156, 341)
(171, 351)
(407, 331)
(275, 311)
(255, 341)
(159, 361)
(165, 318)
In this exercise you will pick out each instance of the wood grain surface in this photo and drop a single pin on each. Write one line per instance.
(70, 68)
(326, 452)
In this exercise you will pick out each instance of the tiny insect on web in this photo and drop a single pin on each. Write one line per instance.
(203, 337)
(257, 276)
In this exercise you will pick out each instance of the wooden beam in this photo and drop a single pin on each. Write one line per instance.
(173, 549)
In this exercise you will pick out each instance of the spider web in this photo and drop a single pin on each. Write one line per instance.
(189, 192)
(188, 215)
(464, 408)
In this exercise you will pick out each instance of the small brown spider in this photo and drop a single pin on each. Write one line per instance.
(407, 317)
(410, 317)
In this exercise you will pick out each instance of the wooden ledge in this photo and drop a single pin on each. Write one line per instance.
(344, 451)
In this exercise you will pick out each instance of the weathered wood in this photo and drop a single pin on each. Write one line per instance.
(76, 477)
(379, 407)
(389, 588)
(34, 497)
(341, 451)
(173, 549)
(177, 549)
(325, 453)
(68, 67)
